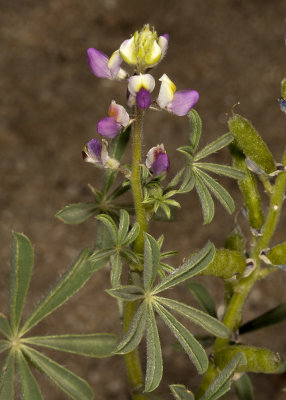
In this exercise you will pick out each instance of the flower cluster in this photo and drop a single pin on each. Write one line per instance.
(143, 51)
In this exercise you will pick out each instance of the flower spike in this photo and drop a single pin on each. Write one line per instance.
(158, 160)
(117, 118)
(97, 154)
(104, 67)
(178, 102)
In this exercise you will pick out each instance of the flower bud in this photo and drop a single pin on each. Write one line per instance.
(157, 160)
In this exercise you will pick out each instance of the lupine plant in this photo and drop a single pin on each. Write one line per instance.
(140, 271)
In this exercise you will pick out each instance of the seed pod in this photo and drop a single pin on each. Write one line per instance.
(226, 264)
(248, 188)
(258, 359)
(277, 255)
(235, 241)
(251, 143)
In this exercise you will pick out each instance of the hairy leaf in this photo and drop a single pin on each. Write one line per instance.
(243, 388)
(7, 373)
(116, 269)
(180, 392)
(123, 225)
(205, 199)
(271, 317)
(214, 146)
(195, 128)
(5, 328)
(219, 169)
(127, 293)
(76, 213)
(203, 297)
(29, 387)
(110, 225)
(151, 260)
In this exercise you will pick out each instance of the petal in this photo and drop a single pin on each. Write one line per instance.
(92, 151)
(108, 127)
(119, 113)
(114, 64)
(98, 63)
(150, 158)
(153, 55)
(107, 161)
(136, 82)
(127, 51)
(161, 164)
(143, 99)
(282, 104)
(166, 93)
(163, 42)
(183, 101)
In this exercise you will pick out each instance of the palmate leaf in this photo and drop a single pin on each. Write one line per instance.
(243, 388)
(127, 293)
(110, 225)
(70, 282)
(214, 146)
(195, 129)
(154, 369)
(7, 372)
(133, 336)
(218, 191)
(21, 271)
(221, 384)
(123, 225)
(191, 346)
(116, 269)
(67, 381)
(4, 345)
(191, 267)
(200, 318)
(203, 297)
(205, 199)
(98, 345)
(219, 169)
(180, 392)
(5, 328)
(76, 213)
(29, 387)
(151, 260)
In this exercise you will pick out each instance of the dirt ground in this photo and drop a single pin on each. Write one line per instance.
(228, 50)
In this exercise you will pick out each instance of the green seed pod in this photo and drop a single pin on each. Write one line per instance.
(251, 143)
(277, 255)
(248, 188)
(283, 88)
(258, 359)
(235, 241)
(226, 264)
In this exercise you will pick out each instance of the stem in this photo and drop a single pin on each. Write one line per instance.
(133, 365)
(232, 317)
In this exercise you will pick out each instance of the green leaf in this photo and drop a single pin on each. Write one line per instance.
(70, 282)
(29, 387)
(243, 388)
(200, 318)
(129, 255)
(154, 369)
(120, 190)
(251, 143)
(191, 346)
(135, 332)
(68, 382)
(116, 269)
(151, 260)
(191, 267)
(218, 191)
(102, 254)
(127, 293)
(180, 392)
(132, 235)
(219, 169)
(203, 297)
(195, 128)
(5, 328)
(188, 181)
(98, 345)
(271, 317)
(21, 271)
(221, 384)
(123, 225)
(214, 146)
(76, 213)
(175, 181)
(4, 345)
(110, 225)
(205, 199)
(7, 373)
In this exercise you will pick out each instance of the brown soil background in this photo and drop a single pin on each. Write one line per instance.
(229, 51)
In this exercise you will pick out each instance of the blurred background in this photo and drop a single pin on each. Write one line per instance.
(229, 50)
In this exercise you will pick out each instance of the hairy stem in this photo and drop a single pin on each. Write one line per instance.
(132, 360)
(233, 314)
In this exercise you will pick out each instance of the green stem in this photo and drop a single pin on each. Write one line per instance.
(132, 360)
(232, 317)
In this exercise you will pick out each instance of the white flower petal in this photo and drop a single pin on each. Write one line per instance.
(138, 82)
(119, 113)
(166, 93)
(127, 51)
(153, 56)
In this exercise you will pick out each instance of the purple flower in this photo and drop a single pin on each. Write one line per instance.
(104, 67)
(111, 125)
(140, 86)
(157, 160)
(178, 102)
(97, 154)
